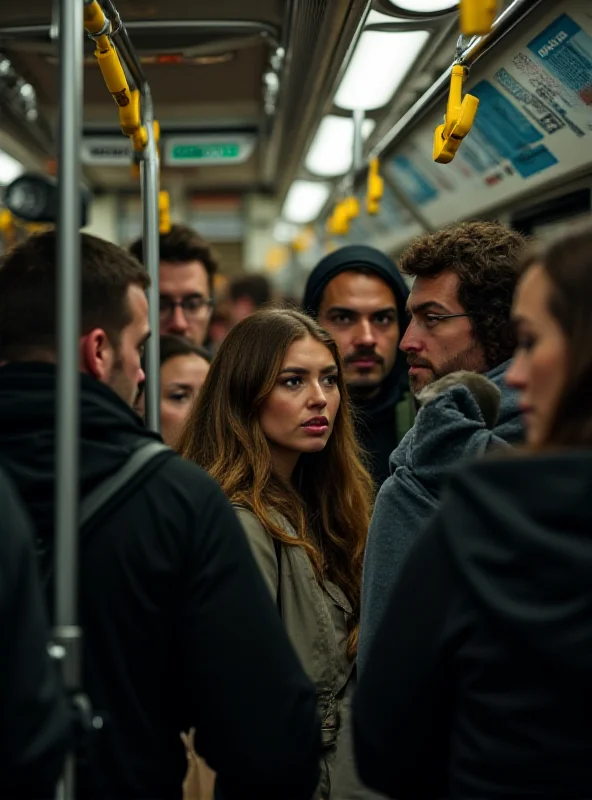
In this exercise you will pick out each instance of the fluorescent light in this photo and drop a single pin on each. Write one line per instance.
(10, 168)
(285, 232)
(375, 17)
(305, 200)
(331, 152)
(425, 6)
(378, 66)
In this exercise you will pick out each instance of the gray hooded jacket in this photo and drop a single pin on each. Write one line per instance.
(447, 430)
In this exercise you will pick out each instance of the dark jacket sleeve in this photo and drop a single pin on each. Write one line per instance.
(256, 716)
(34, 727)
(402, 706)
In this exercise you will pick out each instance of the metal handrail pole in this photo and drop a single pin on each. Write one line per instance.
(151, 241)
(67, 635)
(123, 45)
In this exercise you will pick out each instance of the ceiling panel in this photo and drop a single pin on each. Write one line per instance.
(36, 12)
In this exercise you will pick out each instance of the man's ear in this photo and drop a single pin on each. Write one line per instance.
(96, 355)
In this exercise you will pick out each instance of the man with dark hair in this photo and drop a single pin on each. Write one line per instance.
(460, 302)
(358, 295)
(459, 305)
(177, 620)
(247, 294)
(187, 269)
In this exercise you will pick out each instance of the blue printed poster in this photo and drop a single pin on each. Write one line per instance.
(413, 182)
(508, 132)
(566, 51)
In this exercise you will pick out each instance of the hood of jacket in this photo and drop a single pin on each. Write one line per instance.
(452, 427)
(109, 431)
(368, 258)
(519, 531)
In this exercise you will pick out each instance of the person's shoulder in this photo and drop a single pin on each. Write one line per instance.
(251, 523)
(184, 480)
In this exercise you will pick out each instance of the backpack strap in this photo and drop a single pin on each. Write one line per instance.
(109, 488)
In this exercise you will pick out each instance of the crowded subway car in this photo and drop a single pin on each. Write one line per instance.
(296, 399)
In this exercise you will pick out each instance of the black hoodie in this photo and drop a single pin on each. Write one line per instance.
(179, 629)
(377, 427)
(35, 724)
(478, 681)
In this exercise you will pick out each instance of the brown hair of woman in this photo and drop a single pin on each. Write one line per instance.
(329, 500)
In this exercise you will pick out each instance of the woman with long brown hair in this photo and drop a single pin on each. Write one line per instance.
(272, 425)
(478, 680)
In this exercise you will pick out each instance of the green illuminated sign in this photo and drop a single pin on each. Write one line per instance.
(204, 152)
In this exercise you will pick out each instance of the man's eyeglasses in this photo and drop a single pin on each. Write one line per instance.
(192, 306)
(430, 320)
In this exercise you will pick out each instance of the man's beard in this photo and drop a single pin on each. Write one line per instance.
(120, 384)
(470, 359)
(361, 384)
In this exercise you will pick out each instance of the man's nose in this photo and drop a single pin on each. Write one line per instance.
(412, 340)
(364, 335)
(177, 323)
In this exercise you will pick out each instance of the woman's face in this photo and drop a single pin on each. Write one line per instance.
(181, 378)
(539, 369)
(299, 413)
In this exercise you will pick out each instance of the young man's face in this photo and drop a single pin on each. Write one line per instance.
(126, 373)
(360, 311)
(185, 302)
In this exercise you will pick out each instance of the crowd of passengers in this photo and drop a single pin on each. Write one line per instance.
(362, 567)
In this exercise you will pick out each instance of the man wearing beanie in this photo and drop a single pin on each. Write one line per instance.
(358, 295)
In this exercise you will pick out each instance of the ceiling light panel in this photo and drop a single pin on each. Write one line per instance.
(10, 168)
(376, 17)
(304, 201)
(331, 152)
(425, 6)
(378, 67)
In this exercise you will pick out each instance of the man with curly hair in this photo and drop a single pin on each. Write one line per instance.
(459, 309)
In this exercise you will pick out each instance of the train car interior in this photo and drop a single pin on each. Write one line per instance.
(280, 131)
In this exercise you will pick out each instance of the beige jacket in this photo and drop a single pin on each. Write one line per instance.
(316, 618)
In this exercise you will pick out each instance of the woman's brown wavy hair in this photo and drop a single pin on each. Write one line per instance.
(567, 262)
(328, 502)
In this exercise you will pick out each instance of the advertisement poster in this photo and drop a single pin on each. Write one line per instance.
(534, 123)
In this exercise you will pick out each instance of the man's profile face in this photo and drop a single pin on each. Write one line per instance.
(436, 347)
(360, 311)
(126, 373)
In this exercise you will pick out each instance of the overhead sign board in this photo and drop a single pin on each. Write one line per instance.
(206, 150)
(106, 151)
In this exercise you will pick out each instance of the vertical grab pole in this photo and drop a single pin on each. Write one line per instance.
(150, 234)
(358, 155)
(67, 634)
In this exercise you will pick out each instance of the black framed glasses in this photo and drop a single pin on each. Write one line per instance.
(194, 305)
(430, 320)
